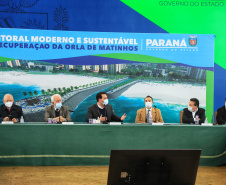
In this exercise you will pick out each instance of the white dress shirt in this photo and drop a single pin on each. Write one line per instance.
(193, 114)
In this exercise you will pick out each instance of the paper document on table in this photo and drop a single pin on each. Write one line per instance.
(115, 123)
(157, 123)
(207, 124)
(67, 123)
(7, 122)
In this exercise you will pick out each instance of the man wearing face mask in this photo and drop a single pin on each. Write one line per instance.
(57, 110)
(221, 114)
(9, 111)
(192, 111)
(103, 110)
(144, 113)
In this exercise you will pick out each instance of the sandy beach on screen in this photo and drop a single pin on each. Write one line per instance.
(168, 93)
(46, 81)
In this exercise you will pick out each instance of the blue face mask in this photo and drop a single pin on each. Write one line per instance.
(58, 105)
(105, 102)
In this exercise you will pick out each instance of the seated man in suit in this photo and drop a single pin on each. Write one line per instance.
(143, 113)
(57, 110)
(221, 114)
(103, 110)
(9, 111)
(192, 111)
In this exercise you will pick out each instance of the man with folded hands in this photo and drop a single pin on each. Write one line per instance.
(57, 110)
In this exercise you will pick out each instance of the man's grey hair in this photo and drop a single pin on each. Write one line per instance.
(53, 96)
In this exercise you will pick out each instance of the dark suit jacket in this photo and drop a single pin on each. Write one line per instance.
(94, 113)
(50, 113)
(221, 115)
(188, 118)
(15, 111)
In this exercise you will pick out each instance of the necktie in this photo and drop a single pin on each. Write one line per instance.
(148, 115)
(8, 109)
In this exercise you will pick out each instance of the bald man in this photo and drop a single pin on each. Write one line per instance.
(9, 111)
(57, 110)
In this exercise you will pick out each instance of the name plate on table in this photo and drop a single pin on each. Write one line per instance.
(7, 122)
(97, 122)
(157, 123)
(207, 124)
(67, 123)
(94, 121)
(115, 123)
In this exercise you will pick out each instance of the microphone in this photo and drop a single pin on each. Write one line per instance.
(105, 122)
(59, 116)
(155, 113)
(10, 115)
(58, 110)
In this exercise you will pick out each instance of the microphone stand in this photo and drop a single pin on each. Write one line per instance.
(105, 122)
(155, 114)
(10, 114)
(59, 115)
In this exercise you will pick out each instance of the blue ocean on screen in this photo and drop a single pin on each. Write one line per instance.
(122, 104)
(128, 105)
(17, 90)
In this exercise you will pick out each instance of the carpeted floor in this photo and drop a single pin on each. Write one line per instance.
(87, 175)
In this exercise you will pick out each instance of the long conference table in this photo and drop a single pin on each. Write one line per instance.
(41, 144)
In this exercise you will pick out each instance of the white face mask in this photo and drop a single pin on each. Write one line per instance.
(9, 104)
(190, 109)
(105, 102)
(148, 105)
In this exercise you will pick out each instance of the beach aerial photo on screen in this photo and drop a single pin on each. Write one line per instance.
(170, 85)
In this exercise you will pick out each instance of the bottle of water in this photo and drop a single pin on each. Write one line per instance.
(150, 119)
(22, 119)
(206, 121)
(98, 120)
(197, 119)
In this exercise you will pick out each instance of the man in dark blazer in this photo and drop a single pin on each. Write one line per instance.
(57, 110)
(221, 114)
(192, 111)
(103, 110)
(9, 111)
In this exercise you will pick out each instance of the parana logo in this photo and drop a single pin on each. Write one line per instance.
(192, 41)
(169, 43)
